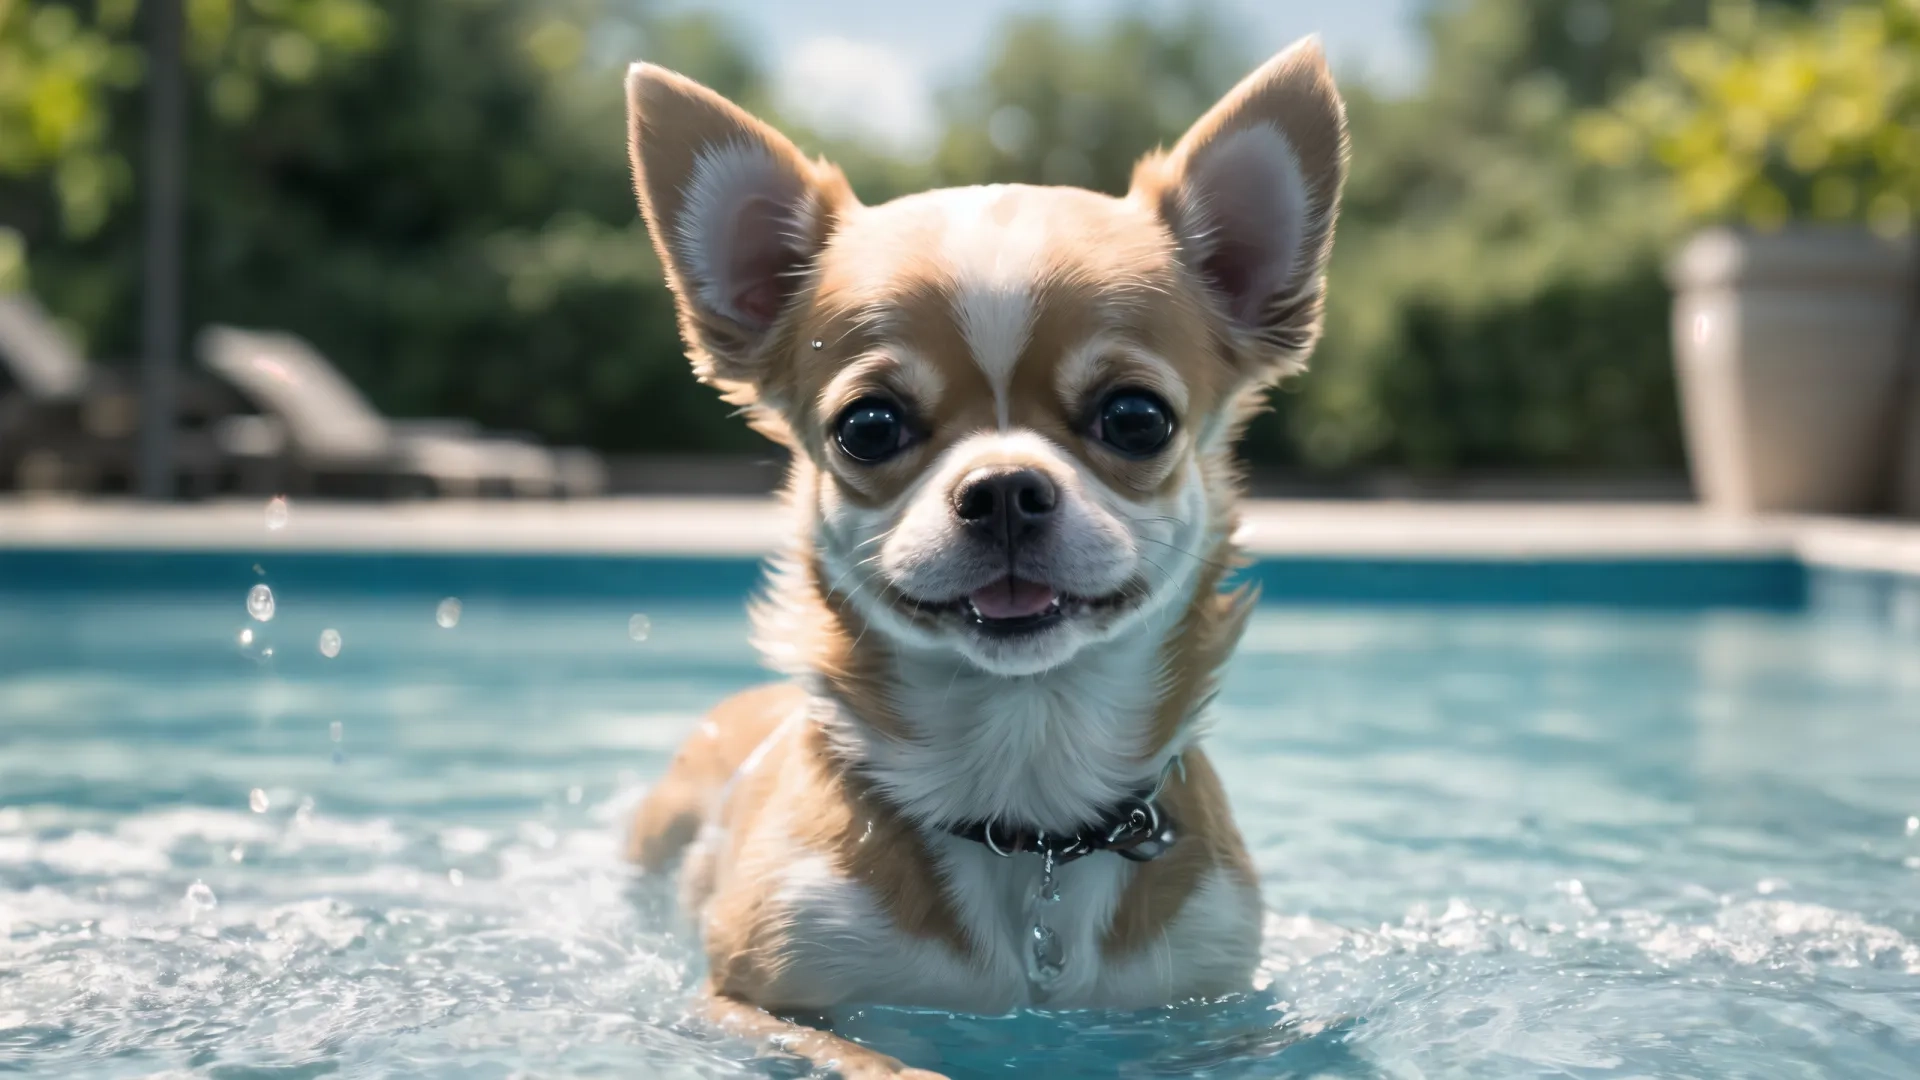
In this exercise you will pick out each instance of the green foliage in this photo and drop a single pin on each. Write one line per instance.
(440, 201)
(1494, 300)
(1767, 115)
(61, 65)
(1572, 375)
(1056, 107)
(447, 215)
(1478, 257)
(54, 70)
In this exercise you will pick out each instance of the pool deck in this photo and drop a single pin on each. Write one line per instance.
(747, 527)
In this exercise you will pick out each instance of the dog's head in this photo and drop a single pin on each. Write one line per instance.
(1013, 404)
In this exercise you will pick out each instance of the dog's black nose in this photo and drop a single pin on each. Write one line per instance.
(1005, 505)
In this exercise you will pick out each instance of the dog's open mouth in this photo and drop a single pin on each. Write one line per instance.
(1012, 606)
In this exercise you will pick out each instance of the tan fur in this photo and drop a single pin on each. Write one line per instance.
(1133, 288)
(1209, 840)
(882, 302)
(848, 1060)
(1294, 93)
(670, 118)
(677, 804)
(801, 797)
(799, 794)
(795, 794)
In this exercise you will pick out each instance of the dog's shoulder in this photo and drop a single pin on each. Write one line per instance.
(821, 875)
(1209, 866)
(670, 816)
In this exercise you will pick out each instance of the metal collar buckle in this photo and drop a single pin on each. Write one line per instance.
(1137, 829)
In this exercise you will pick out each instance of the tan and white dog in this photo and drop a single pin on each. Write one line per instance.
(1011, 412)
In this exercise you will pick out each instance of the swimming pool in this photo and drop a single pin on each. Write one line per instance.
(1669, 839)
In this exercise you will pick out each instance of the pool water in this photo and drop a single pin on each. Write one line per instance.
(1493, 844)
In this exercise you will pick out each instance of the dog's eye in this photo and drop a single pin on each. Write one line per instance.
(1134, 422)
(871, 430)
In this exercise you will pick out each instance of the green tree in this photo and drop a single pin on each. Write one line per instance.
(440, 200)
(441, 203)
(1495, 299)
(66, 71)
(1059, 107)
(1768, 115)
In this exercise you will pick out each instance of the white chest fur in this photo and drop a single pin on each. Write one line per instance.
(1050, 751)
(843, 950)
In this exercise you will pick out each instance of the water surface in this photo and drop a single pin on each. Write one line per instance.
(1524, 844)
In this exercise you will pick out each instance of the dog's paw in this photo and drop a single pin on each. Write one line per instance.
(883, 1068)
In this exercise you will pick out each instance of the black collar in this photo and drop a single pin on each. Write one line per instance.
(1137, 828)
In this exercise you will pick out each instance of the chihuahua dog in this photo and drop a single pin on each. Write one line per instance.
(1003, 610)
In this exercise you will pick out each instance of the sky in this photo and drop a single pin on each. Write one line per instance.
(870, 67)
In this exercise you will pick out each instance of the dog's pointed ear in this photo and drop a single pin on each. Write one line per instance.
(736, 212)
(1250, 193)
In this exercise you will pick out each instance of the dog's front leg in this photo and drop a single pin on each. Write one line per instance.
(825, 1049)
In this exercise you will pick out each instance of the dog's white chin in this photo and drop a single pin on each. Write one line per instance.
(1082, 625)
(1027, 654)
(1020, 655)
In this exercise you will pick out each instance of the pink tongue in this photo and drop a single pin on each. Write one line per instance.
(1011, 598)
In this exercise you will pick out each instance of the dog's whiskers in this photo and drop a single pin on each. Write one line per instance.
(1195, 556)
(1164, 573)
(844, 574)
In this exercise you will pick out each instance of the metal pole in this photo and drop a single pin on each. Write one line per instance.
(160, 292)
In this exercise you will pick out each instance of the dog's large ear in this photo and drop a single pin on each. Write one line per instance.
(1250, 194)
(736, 213)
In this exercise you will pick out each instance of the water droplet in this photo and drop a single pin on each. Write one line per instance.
(1047, 959)
(237, 854)
(456, 878)
(260, 603)
(245, 637)
(257, 800)
(267, 652)
(1047, 889)
(199, 898)
(336, 731)
(574, 794)
(329, 643)
(259, 571)
(1913, 826)
(818, 344)
(448, 613)
(277, 513)
(639, 627)
(303, 814)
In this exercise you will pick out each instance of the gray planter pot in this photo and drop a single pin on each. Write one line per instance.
(1789, 351)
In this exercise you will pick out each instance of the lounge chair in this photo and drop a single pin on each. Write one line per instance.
(66, 424)
(317, 434)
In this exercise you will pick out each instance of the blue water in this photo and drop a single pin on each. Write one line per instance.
(1519, 844)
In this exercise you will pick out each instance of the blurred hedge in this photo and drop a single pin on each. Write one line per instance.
(443, 206)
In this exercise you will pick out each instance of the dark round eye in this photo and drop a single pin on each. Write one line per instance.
(871, 430)
(1134, 422)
